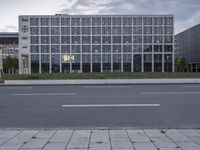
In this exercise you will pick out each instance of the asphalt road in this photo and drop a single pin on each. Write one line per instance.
(136, 106)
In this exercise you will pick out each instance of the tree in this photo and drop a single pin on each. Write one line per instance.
(10, 64)
(180, 64)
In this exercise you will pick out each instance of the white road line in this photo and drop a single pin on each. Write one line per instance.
(15, 87)
(112, 105)
(108, 87)
(191, 86)
(44, 94)
(166, 93)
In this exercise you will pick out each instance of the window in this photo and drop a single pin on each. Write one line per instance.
(158, 39)
(75, 21)
(96, 48)
(86, 39)
(55, 60)
(96, 30)
(44, 39)
(34, 40)
(34, 49)
(44, 21)
(137, 30)
(127, 39)
(75, 39)
(44, 48)
(147, 48)
(34, 30)
(158, 30)
(168, 30)
(137, 48)
(85, 21)
(106, 30)
(127, 21)
(127, 30)
(65, 21)
(75, 48)
(168, 48)
(65, 30)
(168, 20)
(75, 30)
(96, 39)
(116, 48)
(96, 21)
(34, 63)
(116, 39)
(137, 39)
(147, 63)
(117, 58)
(168, 39)
(85, 30)
(106, 48)
(127, 48)
(147, 20)
(65, 39)
(34, 21)
(106, 21)
(157, 48)
(55, 39)
(116, 30)
(65, 48)
(86, 48)
(55, 21)
(106, 39)
(147, 39)
(158, 20)
(137, 21)
(137, 63)
(55, 30)
(44, 30)
(147, 30)
(55, 48)
(45, 63)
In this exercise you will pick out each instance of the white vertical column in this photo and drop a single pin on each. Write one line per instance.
(173, 48)
(50, 67)
(81, 61)
(142, 45)
(111, 45)
(70, 35)
(40, 51)
(122, 57)
(91, 61)
(101, 65)
(163, 40)
(132, 46)
(152, 46)
(60, 46)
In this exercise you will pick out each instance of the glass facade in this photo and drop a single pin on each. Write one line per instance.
(65, 43)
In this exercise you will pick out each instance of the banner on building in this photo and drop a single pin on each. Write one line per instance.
(1, 57)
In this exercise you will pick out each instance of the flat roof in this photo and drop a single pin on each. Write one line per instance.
(9, 34)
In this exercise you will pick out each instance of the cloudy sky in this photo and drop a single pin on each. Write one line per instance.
(187, 12)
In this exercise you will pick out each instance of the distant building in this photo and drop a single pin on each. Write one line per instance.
(9, 44)
(187, 45)
(96, 43)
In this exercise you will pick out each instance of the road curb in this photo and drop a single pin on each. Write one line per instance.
(102, 82)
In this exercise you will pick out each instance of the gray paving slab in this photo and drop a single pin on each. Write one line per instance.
(118, 134)
(36, 143)
(189, 145)
(55, 146)
(3, 140)
(154, 133)
(196, 139)
(99, 136)
(1, 131)
(24, 136)
(121, 143)
(145, 146)
(45, 134)
(177, 136)
(100, 146)
(189, 132)
(62, 136)
(164, 142)
(10, 134)
(78, 143)
(170, 148)
(11, 146)
(138, 136)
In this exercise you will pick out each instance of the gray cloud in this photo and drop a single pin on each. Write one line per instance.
(9, 28)
(187, 12)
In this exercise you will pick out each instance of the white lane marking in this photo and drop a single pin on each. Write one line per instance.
(112, 105)
(44, 94)
(191, 86)
(165, 93)
(15, 87)
(104, 87)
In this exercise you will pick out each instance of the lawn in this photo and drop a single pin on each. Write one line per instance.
(114, 75)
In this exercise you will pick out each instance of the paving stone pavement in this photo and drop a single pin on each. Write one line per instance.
(160, 139)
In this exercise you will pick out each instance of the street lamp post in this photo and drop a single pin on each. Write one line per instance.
(1, 63)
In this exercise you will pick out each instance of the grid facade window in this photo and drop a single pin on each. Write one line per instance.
(95, 43)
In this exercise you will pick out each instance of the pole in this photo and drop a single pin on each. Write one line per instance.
(1, 61)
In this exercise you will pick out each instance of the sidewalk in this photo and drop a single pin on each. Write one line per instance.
(187, 139)
(102, 81)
